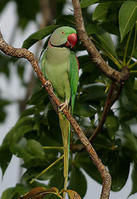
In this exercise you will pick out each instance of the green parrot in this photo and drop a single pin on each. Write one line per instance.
(60, 66)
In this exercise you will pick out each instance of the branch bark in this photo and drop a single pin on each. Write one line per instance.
(93, 52)
(24, 53)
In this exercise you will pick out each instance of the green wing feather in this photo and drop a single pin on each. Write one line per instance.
(74, 77)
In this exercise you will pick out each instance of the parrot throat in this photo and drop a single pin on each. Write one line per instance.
(59, 46)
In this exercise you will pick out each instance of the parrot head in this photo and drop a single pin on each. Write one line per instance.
(64, 37)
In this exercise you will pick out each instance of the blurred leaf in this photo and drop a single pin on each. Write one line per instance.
(4, 102)
(26, 12)
(101, 11)
(38, 97)
(103, 37)
(111, 27)
(29, 112)
(107, 43)
(82, 160)
(86, 3)
(2, 116)
(35, 148)
(5, 157)
(118, 173)
(134, 180)
(3, 112)
(112, 125)
(78, 181)
(3, 4)
(84, 109)
(14, 192)
(93, 92)
(4, 65)
(57, 179)
(104, 142)
(127, 17)
(130, 141)
(23, 125)
(39, 35)
(8, 193)
(21, 70)
(65, 19)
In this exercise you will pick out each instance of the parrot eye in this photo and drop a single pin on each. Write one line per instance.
(62, 32)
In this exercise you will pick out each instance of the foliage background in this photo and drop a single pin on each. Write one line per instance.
(117, 131)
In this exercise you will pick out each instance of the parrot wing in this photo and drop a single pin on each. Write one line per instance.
(74, 77)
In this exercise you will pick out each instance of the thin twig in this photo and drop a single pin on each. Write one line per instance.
(24, 53)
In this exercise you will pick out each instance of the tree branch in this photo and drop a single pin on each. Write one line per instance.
(93, 52)
(24, 53)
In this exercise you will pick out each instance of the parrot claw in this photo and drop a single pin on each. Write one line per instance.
(63, 105)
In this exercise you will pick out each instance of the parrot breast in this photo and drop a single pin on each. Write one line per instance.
(56, 70)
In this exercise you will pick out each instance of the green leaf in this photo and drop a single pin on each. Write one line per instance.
(14, 192)
(102, 38)
(84, 109)
(26, 12)
(3, 4)
(93, 92)
(35, 148)
(21, 70)
(4, 102)
(8, 193)
(86, 3)
(32, 39)
(65, 19)
(23, 126)
(118, 172)
(82, 160)
(2, 115)
(112, 125)
(5, 157)
(38, 97)
(78, 181)
(127, 17)
(101, 11)
(134, 180)
(14, 140)
(57, 179)
(130, 142)
(107, 43)
(28, 112)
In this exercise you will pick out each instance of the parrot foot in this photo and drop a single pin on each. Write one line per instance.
(63, 105)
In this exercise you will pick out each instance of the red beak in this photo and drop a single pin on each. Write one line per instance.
(72, 40)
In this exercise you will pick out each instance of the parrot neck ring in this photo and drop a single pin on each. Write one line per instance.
(71, 42)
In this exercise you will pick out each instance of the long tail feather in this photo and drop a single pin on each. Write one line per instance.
(65, 129)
